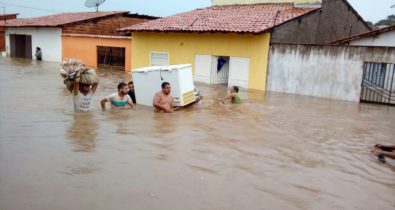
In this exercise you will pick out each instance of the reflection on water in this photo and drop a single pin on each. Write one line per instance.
(275, 151)
(83, 131)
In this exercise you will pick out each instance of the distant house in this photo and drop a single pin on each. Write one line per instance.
(3, 19)
(89, 36)
(229, 44)
(233, 2)
(384, 37)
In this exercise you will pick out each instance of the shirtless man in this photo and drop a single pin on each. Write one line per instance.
(163, 101)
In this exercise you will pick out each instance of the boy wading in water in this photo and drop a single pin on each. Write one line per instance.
(82, 95)
(233, 96)
(119, 100)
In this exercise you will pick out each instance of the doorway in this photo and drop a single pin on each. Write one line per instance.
(21, 46)
(212, 69)
(111, 58)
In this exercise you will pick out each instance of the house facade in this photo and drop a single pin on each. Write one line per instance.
(242, 53)
(225, 44)
(229, 44)
(89, 36)
(98, 43)
(3, 19)
(384, 37)
(233, 2)
(21, 42)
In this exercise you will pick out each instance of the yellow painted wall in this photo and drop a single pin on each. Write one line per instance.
(183, 47)
(232, 2)
(85, 49)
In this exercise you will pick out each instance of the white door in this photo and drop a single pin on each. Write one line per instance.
(203, 68)
(239, 72)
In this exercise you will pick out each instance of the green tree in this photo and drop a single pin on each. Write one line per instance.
(390, 20)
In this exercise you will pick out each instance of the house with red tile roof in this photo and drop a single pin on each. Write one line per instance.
(89, 36)
(384, 37)
(229, 44)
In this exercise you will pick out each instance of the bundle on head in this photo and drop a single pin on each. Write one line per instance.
(73, 69)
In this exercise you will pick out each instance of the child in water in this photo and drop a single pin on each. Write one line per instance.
(233, 96)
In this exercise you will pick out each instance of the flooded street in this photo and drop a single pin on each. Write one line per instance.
(275, 151)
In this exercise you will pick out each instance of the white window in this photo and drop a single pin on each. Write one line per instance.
(159, 59)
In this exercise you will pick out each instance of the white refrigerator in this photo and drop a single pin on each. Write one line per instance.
(147, 82)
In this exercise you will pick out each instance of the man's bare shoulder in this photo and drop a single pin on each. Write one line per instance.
(158, 94)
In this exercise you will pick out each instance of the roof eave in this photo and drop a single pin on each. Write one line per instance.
(364, 35)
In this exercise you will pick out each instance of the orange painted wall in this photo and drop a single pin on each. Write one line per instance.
(85, 49)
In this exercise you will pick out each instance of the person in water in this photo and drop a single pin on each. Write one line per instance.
(82, 96)
(233, 96)
(38, 54)
(383, 151)
(119, 100)
(131, 92)
(163, 101)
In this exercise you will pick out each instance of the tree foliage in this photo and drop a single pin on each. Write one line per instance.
(390, 20)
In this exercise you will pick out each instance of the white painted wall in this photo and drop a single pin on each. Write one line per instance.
(232, 2)
(323, 71)
(48, 39)
(384, 40)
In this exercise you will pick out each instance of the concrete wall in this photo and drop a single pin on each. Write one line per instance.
(231, 2)
(323, 71)
(47, 38)
(385, 39)
(336, 20)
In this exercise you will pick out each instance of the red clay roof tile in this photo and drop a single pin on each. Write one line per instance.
(253, 18)
(58, 19)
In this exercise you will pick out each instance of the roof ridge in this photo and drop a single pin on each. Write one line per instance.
(60, 19)
(230, 5)
(246, 18)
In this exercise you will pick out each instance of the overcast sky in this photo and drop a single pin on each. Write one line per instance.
(372, 10)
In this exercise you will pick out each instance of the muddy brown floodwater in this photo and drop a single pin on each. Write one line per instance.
(275, 151)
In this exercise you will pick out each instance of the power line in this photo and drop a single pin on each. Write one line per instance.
(27, 7)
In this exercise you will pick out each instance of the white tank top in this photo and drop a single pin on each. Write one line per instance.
(82, 103)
